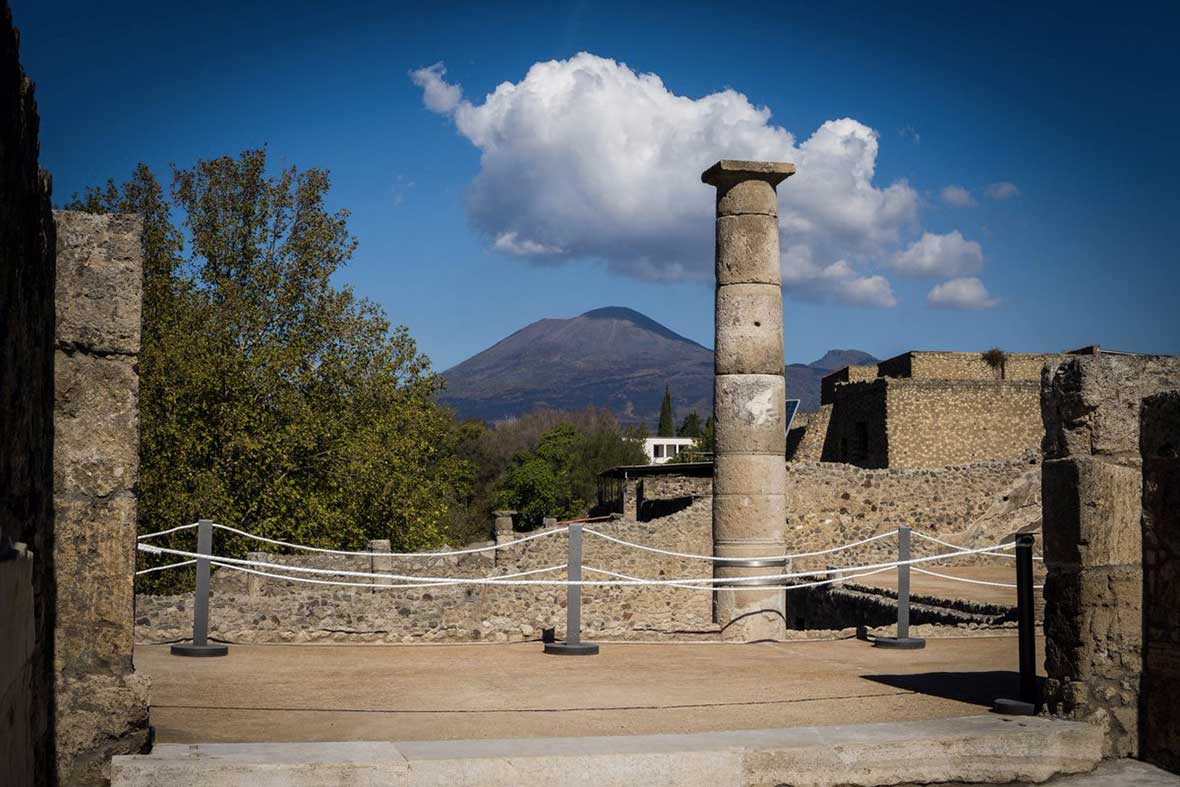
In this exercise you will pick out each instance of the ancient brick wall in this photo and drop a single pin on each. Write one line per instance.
(849, 374)
(927, 365)
(101, 702)
(805, 441)
(1092, 506)
(935, 422)
(1160, 707)
(26, 412)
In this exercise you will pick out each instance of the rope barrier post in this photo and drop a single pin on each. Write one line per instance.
(1030, 693)
(573, 645)
(200, 645)
(903, 640)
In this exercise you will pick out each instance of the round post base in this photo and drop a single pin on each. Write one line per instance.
(899, 643)
(1015, 708)
(565, 649)
(189, 649)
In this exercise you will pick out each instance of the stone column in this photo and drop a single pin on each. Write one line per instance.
(749, 397)
(380, 562)
(503, 526)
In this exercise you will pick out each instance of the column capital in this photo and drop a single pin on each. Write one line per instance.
(728, 172)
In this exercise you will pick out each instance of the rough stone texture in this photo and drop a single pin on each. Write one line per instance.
(26, 416)
(101, 702)
(805, 441)
(258, 609)
(1160, 708)
(749, 403)
(984, 749)
(1093, 510)
(925, 365)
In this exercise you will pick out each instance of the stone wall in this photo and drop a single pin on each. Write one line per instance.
(971, 505)
(805, 441)
(906, 422)
(1092, 508)
(926, 365)
(26, 413)
(938, 422)
(849, 374)
(101, 702)
(268, 610)
(1160, 708)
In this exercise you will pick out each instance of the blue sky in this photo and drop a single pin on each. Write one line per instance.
(587, 194)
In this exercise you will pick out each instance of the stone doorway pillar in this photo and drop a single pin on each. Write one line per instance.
(749, 396)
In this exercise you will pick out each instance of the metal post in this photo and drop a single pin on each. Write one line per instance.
(1030, 695)
(200, 645)
(903, 640)
(573, 645)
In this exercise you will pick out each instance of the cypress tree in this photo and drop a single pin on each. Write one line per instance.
(667, 424)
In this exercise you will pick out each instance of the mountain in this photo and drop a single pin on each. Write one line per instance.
(613, 357)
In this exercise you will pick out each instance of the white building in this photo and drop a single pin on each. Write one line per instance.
(661, 449)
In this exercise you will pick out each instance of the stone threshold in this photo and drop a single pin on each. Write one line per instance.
(983, 749)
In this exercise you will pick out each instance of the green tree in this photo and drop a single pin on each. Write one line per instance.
(707, 441)
(690, 426)
(667, 422)
(559, 477)
(270, 399)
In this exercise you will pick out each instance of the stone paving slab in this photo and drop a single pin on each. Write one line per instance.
(986, 749)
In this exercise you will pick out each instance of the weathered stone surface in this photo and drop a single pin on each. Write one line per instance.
(1091, 512)
(757, 518)
(747, 186)
(26, 417)
(1160, 444)
(101, 704)
(1090, 403)
(751, 474)
(100, 281)
(749, 329)
(107, 716)
(749, 411)
(96, 424)
(748, 250)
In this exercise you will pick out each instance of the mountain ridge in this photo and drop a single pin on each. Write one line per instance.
(612, 357)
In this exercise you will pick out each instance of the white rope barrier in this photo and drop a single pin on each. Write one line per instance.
(161, 568)
(337, 583)
(166, 532)
(832, 581)
(446, 553)
(972, 581)
(646, 548)
(152, 549)
(920, 534)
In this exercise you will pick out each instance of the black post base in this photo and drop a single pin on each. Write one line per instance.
(564, 649)
(1015, 708)
(899, 643)
(189, 649)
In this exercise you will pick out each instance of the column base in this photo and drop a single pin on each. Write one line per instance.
(566, 649)
(899, 643)
(189, 649)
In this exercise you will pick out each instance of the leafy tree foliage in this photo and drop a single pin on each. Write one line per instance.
(667, 419)
(270, 399)
(690, 426)
(559, 476)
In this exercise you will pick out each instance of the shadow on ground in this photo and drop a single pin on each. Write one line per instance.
(977, 688)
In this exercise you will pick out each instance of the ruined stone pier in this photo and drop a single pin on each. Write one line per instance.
(749, 397)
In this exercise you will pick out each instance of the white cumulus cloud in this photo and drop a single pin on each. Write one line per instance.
(957, 196)
(586, 159)
(963, 293)
(1002, 191)
(939, 257)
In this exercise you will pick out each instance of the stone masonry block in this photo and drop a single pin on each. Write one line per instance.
(99, 281)
(749, 324)
(757, 518)
(1091, 511)
(108, 716)
(96, 424)
(748, 250)
(1094, 623)
(750, 474)
(750, 413)
(95, 550)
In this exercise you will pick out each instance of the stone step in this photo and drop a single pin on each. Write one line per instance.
(985, 749)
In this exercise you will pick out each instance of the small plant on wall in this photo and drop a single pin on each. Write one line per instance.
(997, 359)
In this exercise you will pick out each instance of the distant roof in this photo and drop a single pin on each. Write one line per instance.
(692, 469)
